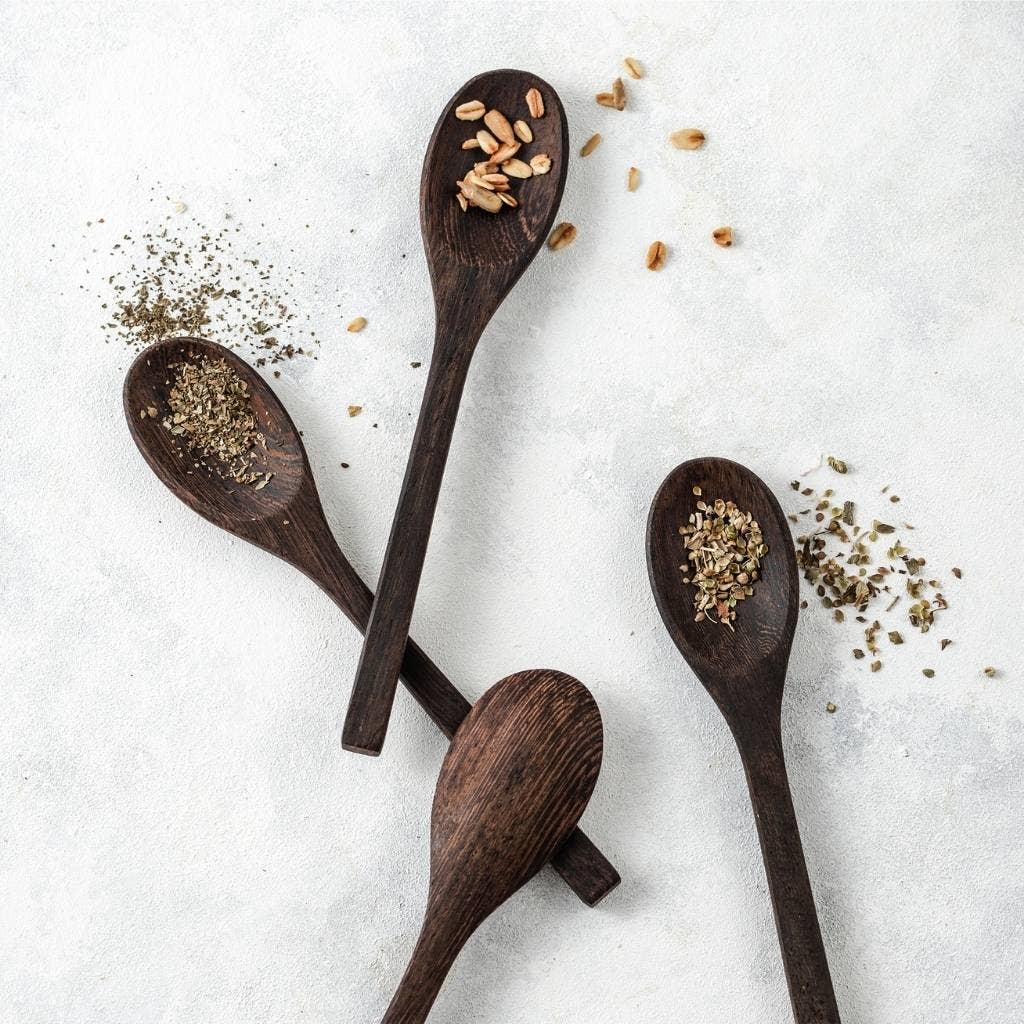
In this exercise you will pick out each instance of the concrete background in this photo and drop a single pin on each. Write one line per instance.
(181, 837)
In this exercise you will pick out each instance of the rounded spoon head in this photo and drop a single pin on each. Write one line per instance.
(748, 665)
(501, 244)
(515, 781)
(233, 506)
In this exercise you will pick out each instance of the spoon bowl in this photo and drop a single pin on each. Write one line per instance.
(515, 781)
(221, 500)
(750, 663)
(500, 244)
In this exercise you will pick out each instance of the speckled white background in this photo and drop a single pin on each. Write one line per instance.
(182, 840)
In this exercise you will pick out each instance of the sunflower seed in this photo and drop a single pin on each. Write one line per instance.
(473, 143)
(355, 326)
(634, 67)
(591, 144)
(633, 179)
(517, 169)
(619, 94)
(523, 131)
(656, 254)
(541, 163)
(687, 138)
(471, 111)
(562, 236)
(498, 123)
(605, 99)
(508, 199)
(488, 143)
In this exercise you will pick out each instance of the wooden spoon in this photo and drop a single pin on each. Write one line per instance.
(286, 519)
(745, 673)
(514, 783)
(475, 258)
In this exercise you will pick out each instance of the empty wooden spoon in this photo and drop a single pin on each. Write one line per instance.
(475, 258)
(286, 519)
(745, 672)
(514, 783)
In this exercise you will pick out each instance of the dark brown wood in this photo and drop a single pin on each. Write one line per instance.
(475, 258)
(745, 673)
(286, 519)
(514, 783)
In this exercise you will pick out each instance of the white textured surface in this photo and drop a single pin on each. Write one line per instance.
(182, 839)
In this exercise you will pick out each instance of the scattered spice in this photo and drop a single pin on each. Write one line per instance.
(180, 279)
(831, 708)
(989, 671)
(354, 410)
(687, 138)
(928, 673)
(722, 236)
(943, 644)
(838, 465)
(657, 252)
(724, 547)
(564, 234)
(958, 573)
(634, 68)
(211, 410)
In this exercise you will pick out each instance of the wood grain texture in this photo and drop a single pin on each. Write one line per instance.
(514, 782)
(286, 519)
(475, 258)
(745, 673)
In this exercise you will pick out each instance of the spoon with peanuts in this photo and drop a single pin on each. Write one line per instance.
(476, 253)
(743, 668)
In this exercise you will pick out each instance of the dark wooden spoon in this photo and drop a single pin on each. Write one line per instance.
(286, 519)
(514, 783)
(475, 258)
(745, 673)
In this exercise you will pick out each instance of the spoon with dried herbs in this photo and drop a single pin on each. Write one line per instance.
(475, 256)
(269, 498)
(725, 580)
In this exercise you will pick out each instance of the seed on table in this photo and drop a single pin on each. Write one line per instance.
(471, 111)
(656, 255)
(354, 410)
(523, 131)
(591, 144)
(633, 179)
(687, 138)
(619, 94)
(498, 123)
(562, 236)
(723, 237)
(605, 99)
(355, 326)
(535, 103)
(634, 67)
(488, 143)
(541, 163)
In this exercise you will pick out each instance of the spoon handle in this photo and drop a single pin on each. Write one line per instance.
(436, 950)
(796, 919)
(373, 691)
(580, 863)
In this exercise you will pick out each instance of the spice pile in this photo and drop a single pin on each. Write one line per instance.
(182, 279)
(487, 185)
(839, 562)
(724, 547)
(211, 409)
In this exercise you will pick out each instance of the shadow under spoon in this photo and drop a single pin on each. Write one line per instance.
(475, 258)
(513, 784)
(745, 673)
(286, 519)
